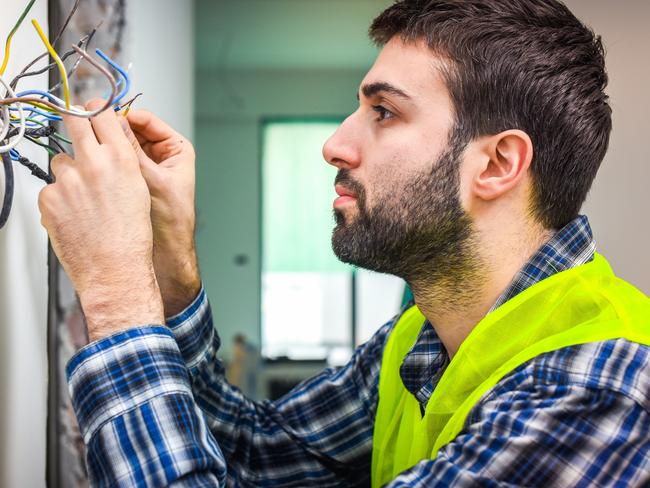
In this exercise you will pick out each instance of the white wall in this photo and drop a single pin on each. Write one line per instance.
(161, 47)
(23, 293)
(619, 203)
(162, 55)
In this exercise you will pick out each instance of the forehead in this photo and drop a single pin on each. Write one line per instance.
(413, 68)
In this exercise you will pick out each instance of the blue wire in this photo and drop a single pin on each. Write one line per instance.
(127, 80)
(42, 94)
(58, 101)
(54, 99)
(48, 116)
(15, 155)
(118, 83)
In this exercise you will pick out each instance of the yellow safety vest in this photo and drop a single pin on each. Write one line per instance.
(587, 303)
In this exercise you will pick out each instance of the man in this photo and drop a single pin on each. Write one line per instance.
(525, 361)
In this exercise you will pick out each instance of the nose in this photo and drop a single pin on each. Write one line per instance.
(342, 148)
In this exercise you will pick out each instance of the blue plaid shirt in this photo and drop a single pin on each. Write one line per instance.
(155, 410)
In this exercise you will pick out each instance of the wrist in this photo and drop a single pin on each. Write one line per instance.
(178, 277)
(122, 305)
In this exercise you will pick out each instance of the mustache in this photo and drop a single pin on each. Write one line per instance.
(344, 179)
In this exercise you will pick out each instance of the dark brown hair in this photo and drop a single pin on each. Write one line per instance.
(520, 64)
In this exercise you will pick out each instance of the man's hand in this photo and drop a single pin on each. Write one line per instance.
(167, 164)
(97, 214)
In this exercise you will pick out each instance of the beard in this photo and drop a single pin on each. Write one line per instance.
(419, 232)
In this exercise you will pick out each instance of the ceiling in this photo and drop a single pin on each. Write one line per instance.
(284, 34)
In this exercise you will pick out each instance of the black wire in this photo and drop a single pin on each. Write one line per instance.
(66, 55)
(56, 143)
(56, 39)
(9, 188)
(36, 170)
(65, 24)
(33, 132)
(42, 144)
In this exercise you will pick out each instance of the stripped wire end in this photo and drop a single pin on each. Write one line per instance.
(127, 106)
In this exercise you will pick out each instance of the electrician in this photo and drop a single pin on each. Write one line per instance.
(523, 360)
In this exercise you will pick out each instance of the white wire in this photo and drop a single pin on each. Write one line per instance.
(4, 118)
(21, 116)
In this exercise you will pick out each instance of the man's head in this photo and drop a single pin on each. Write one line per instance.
(471, 105)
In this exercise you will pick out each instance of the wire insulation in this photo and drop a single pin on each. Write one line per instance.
(11, 35)
(9, 188)
(57, 59)
(21, 119)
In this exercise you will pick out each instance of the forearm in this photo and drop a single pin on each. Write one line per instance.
(323, 428)
(132, 396)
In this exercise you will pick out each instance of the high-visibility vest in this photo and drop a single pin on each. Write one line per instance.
(584, 304)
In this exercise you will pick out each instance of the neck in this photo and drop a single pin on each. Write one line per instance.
(454, 305)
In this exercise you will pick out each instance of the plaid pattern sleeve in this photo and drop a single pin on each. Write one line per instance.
(133, 400)
(153, 406)
(154, 409)
(579, 417)
(320, 433)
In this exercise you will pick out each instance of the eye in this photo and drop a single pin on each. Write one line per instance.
(383, 113)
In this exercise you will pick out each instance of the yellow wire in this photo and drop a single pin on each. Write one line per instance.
(6, 58)
(59, 63)
(11, 35)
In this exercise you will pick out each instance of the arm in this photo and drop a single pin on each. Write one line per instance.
(139, 419)
(133, 396)
(319, 433)
(131, 389)
(542, 431)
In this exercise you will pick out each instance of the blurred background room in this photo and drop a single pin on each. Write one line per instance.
(258, 86)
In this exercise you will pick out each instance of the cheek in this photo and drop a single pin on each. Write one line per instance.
(389, 181)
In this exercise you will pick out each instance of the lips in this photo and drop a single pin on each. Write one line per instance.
(344, 192)
(345, 196)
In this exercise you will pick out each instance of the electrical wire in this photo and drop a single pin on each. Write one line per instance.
(65, 24)
(128, 104)
(54, 134)
(48, 148)
(116, 67)
(35, 169)
(9, 188)
(30, 122)
(45, 115)
(84, 40)
(11, 35)
(57, 59)
(56, 38)
(76, 112)
(21, 119)
(83, 44)
(57, 144)
(6, 122)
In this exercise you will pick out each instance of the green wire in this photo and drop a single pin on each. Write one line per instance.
(39, 143)
(56, 135)
(11, 34)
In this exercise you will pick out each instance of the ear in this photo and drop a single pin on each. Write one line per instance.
(507, 158)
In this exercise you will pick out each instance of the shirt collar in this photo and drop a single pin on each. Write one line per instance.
(570, 246)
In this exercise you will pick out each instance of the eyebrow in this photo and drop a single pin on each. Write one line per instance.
(373, 89)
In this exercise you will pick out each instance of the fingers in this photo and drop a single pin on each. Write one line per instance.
(106, 125)
(148, 168)
(159, 141)
(81, 133)
(150, 127)
(60, 163)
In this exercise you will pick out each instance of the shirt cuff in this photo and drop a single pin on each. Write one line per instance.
(194, 331)
(116, 374)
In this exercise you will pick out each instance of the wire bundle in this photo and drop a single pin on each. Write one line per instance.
(26, 115)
